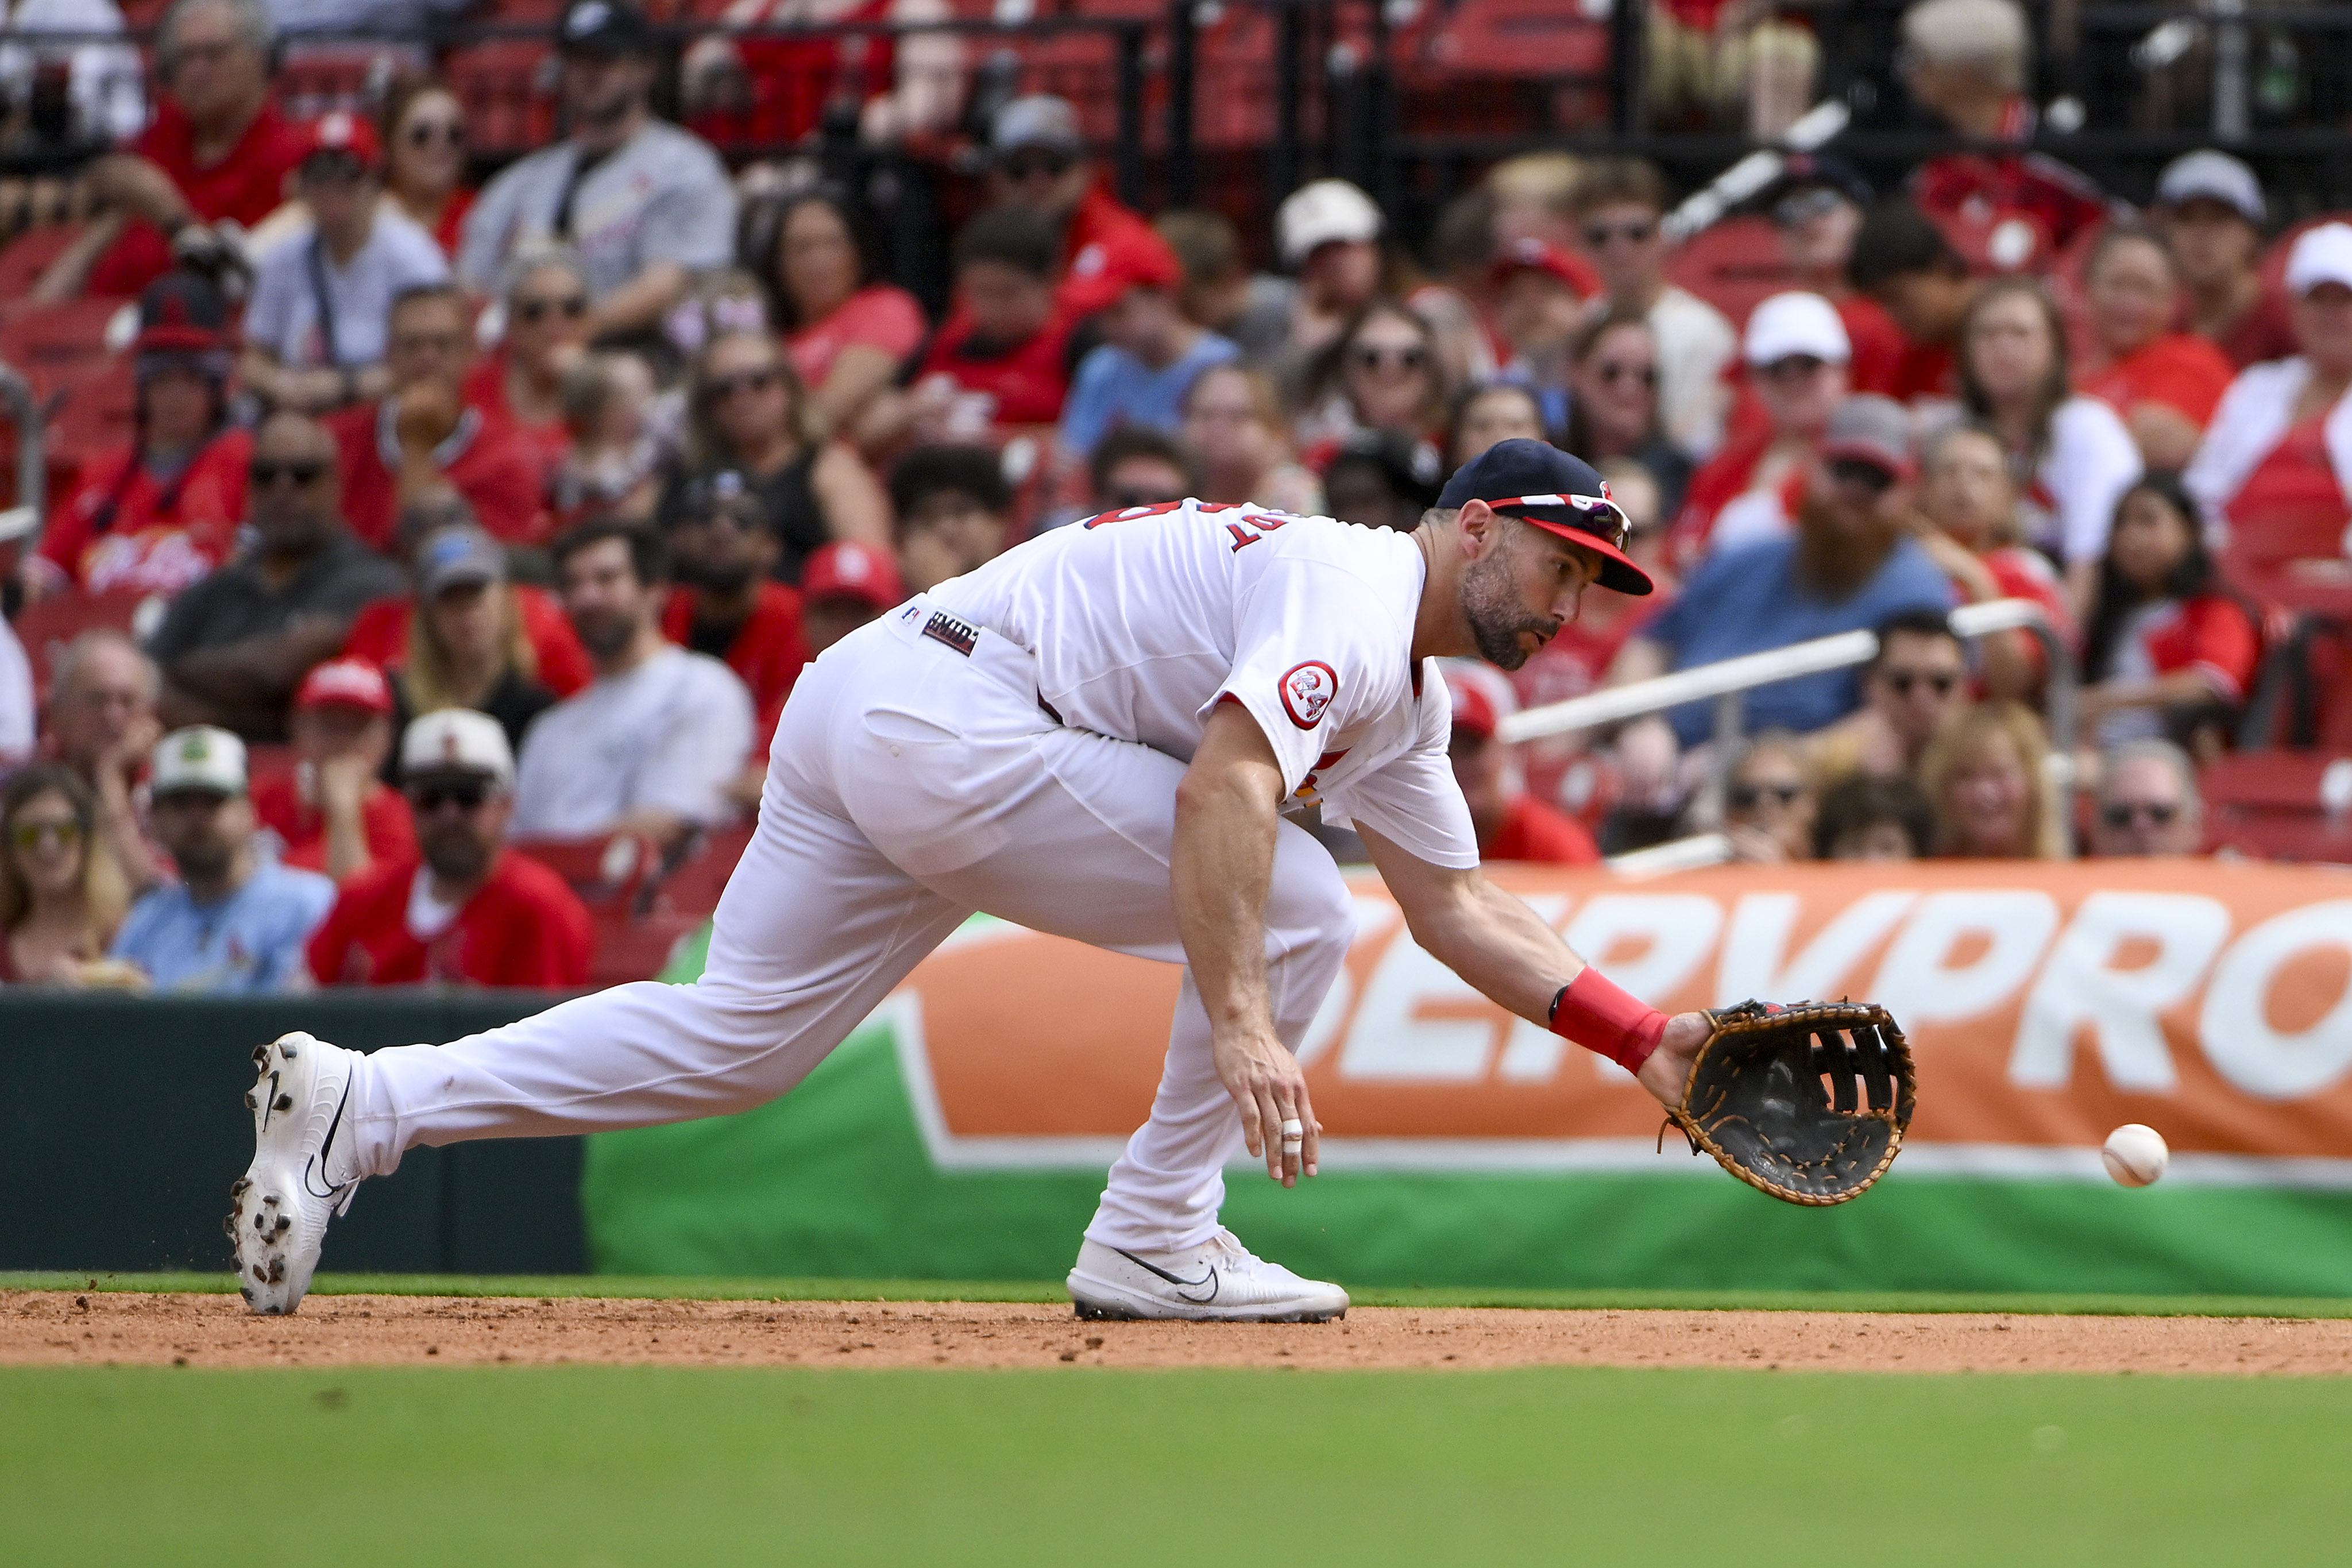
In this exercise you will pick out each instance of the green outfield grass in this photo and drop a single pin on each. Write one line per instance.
(616, 1466)
(718, 1289)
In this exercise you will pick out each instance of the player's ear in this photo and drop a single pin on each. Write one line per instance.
(1481, 527)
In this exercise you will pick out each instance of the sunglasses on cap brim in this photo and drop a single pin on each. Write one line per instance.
(1597, 508)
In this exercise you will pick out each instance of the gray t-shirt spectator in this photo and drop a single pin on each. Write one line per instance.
(284, 314)
(661, 195)
(666, 736)
(233, 605)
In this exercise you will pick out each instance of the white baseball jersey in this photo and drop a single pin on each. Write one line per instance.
(1142, 621)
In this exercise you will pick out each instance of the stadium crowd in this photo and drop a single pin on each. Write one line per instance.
(458, 521)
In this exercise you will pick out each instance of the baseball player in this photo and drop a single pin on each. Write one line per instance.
(1096, 734)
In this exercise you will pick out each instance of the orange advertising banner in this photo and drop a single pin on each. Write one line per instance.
(2046, 1004)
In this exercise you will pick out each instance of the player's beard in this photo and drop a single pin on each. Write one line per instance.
(1498, 618)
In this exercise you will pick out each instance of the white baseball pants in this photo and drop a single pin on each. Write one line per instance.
(910, 784)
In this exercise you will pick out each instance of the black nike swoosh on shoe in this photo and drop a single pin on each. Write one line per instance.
(319, 1161)
(269, 1105)
(1181, 1284)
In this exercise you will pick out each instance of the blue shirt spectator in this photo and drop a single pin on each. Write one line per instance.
(233, 922)
(1114, 387)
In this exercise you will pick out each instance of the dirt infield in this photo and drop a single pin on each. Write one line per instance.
(62, 1328)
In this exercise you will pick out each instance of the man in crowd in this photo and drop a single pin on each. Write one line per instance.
(1510, 822)
(422, 442)
(1138, 467)
(651, 745)
(1968, 507)
(314, 332)
(722, 545)
(2148, 802)
(1817, 212)
(1252, 310)
(1620, 204)
(1147, 362)
(846, 584)
(234, 646)
(646, 205)
(218, 151)
(235, 922)
(1920, 679)
(102, 718)
(1902, 260)
(463, 908)
(1038, 162)
(1849, 565)
(954, 512)
(1383, 480)
(333, 813)
(2210, 207)
(1329, 234)
(1798, 360)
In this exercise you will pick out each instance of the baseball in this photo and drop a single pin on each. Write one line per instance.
(2135, 1155)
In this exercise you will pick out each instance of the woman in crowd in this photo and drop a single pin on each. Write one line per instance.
(746, 410)
(2071, 454)
(2271, 475)
(424, 131)
(1968, 525)
(2169, 653)
(1769, 803)
(1864, 818)
(466, 644)
(1381, 373)
(1614, 403)
(846, 332)
(1498, 411)
(546, 302)
(2164, 384)
(1233, 424)
(61, 893)
(1988, 775)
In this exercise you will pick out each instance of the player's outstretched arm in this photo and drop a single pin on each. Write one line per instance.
(1221, 865)
(1510, 956)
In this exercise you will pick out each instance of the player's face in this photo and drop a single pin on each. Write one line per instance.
(1517, 594)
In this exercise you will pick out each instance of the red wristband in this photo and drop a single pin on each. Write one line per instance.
(1601, 1017)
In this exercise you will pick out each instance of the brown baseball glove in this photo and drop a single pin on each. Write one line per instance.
(1808, 1103)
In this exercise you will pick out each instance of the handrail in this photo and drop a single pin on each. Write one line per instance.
(23, 521)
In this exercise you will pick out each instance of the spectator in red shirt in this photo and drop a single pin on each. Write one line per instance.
(1037, 160)
(218, 151)
(846, 331)
(468, 642)
(424, 131)
(333, 814)
(423, 442)
(1905, 264)
(466, 909)
(2170, 652)
(2210, 206)
(1002, 357)
(161, 513)
(847, 583)
(1798, 356)
(384, 633)
(1511, 824)
(722, 603)
(2164, 384)
(546, 332)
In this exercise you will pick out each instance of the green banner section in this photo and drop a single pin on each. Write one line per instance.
(834, 1180)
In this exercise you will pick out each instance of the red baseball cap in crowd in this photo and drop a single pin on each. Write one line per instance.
(183, 313)
(846, 569)
(1474, 710)
(345, 683)
(1559, 493)
(1537, 256)
(343, 132)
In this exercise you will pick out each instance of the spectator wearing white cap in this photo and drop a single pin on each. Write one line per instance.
(233, 921)
(1329, 232)
(461, 908)
(2272, 473)
(1798, 357)
(2210, 206)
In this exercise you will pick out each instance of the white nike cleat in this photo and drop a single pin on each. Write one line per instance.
(1218, 1281)
(281, 1207)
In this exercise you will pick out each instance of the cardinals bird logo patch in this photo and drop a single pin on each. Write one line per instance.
(1308, 689)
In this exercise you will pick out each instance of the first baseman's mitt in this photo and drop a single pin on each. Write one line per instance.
(1809, 1103)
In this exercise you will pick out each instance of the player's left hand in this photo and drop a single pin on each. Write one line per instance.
(1269, 1088)
(1668, 1068)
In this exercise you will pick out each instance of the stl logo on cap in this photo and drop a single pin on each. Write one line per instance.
(335, 130)
(1307, 690)
(851, 566)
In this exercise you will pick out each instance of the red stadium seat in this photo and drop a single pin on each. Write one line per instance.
(46, 625)
(693, 888)
(2280, 805)
(1734, 265)
(1517, 40)
(27, 256)
(636, 947)
(613, 873)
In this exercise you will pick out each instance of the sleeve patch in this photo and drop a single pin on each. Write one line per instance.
(1307, 690)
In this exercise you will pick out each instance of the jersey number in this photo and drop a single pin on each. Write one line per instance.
(1248, 529)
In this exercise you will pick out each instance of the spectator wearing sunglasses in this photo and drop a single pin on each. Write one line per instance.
(1817, 215)
(1917, 681)
(1798, 361)
(62, 893)
(722, 600)
(233, 647)
(1037, 160)
(1620, 203)
(424, 131)
(1769, 803)
(422, 442)
(314, 331)
(2148, 802)
(1613, 405)
(463, 908)
(1382, 372)
(471, 638)
(1849, 565)
(545, 334)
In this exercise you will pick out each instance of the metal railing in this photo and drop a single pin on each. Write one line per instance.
(20, 408)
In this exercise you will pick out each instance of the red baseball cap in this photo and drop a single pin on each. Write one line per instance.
(344, 132)
(1532, 255)
(846, 569)
(1474, 710)
(345, 683)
